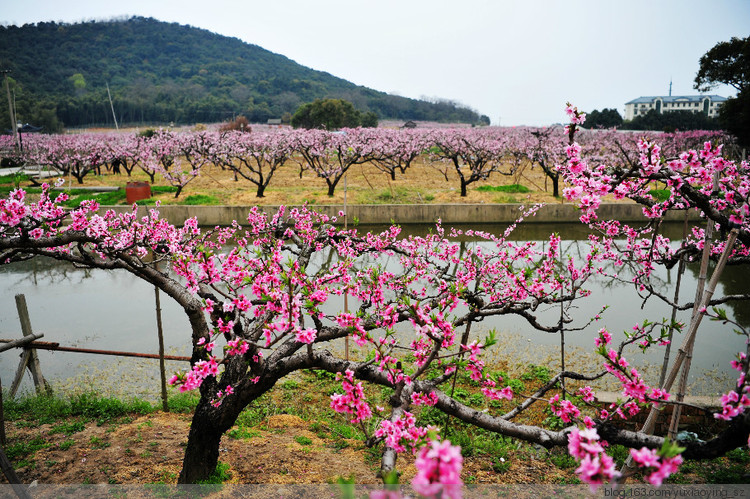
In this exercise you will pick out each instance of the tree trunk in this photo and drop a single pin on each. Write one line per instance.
(463, 187)
(261, 191)
(202, 451)
(555, 186)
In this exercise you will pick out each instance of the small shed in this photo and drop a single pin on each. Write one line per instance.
(409, 124)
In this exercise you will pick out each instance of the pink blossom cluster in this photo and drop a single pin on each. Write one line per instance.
(596, 467)
(564, 409)
(236, 347)
(737, 401)
(221, 395)
(633, 385)
(576, 117)
(429, 399)
(402, 432)
(194, 378)
(689, 179)
(353, 400)
(438, 466)
(658, 468)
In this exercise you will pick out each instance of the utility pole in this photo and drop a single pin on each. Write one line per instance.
(112, 107)
(12, 115)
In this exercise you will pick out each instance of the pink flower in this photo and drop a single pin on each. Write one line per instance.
(306, 335)
(438, 470)
(645, 457)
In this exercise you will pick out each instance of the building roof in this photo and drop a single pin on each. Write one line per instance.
(676, 98)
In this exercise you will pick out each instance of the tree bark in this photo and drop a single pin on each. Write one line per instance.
(202, 451)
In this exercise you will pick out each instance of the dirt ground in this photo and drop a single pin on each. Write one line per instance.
(149, 449)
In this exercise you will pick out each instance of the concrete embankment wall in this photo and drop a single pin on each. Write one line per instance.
(403, 214)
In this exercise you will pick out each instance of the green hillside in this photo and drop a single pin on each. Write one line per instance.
(165, 72)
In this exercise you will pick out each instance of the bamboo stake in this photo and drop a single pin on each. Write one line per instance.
(682, 385)
(680, 272)
(648, 425)
(562, 333)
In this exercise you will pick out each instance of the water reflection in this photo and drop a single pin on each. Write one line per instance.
(114, 310)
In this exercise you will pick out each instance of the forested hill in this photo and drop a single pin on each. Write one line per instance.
(165, 72)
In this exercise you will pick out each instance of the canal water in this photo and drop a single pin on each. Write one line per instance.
(115, 311)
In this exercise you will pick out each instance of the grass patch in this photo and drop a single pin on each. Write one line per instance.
(303, 440)
(98, 443)
(200, 199)
(508, 189)
(45, 409)
(290, 384)
(539, 373)
(220, 475)
(161, 189)
(103, 409)
(242, 433)
(103, 198)
(660, 195)
(183, 402)
(394, 195)
(14, 178)
(66, 444)
(68, 428)
(20, 450)
(6, 189)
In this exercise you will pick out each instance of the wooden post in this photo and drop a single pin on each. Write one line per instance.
(30, 358)
(2, 416)
(20, 342)
(13, 480)
(346, 291)
(162, 368)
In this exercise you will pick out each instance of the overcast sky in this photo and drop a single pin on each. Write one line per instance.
(518, 62)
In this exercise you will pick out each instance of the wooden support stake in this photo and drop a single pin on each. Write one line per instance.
(19, 372)
(13, 479)
(20, 342)
(30, 357)
(2, 416)
(162, 368)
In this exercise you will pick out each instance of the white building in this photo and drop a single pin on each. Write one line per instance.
(706, 104)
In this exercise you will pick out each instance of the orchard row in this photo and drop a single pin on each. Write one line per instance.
(474, 154)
